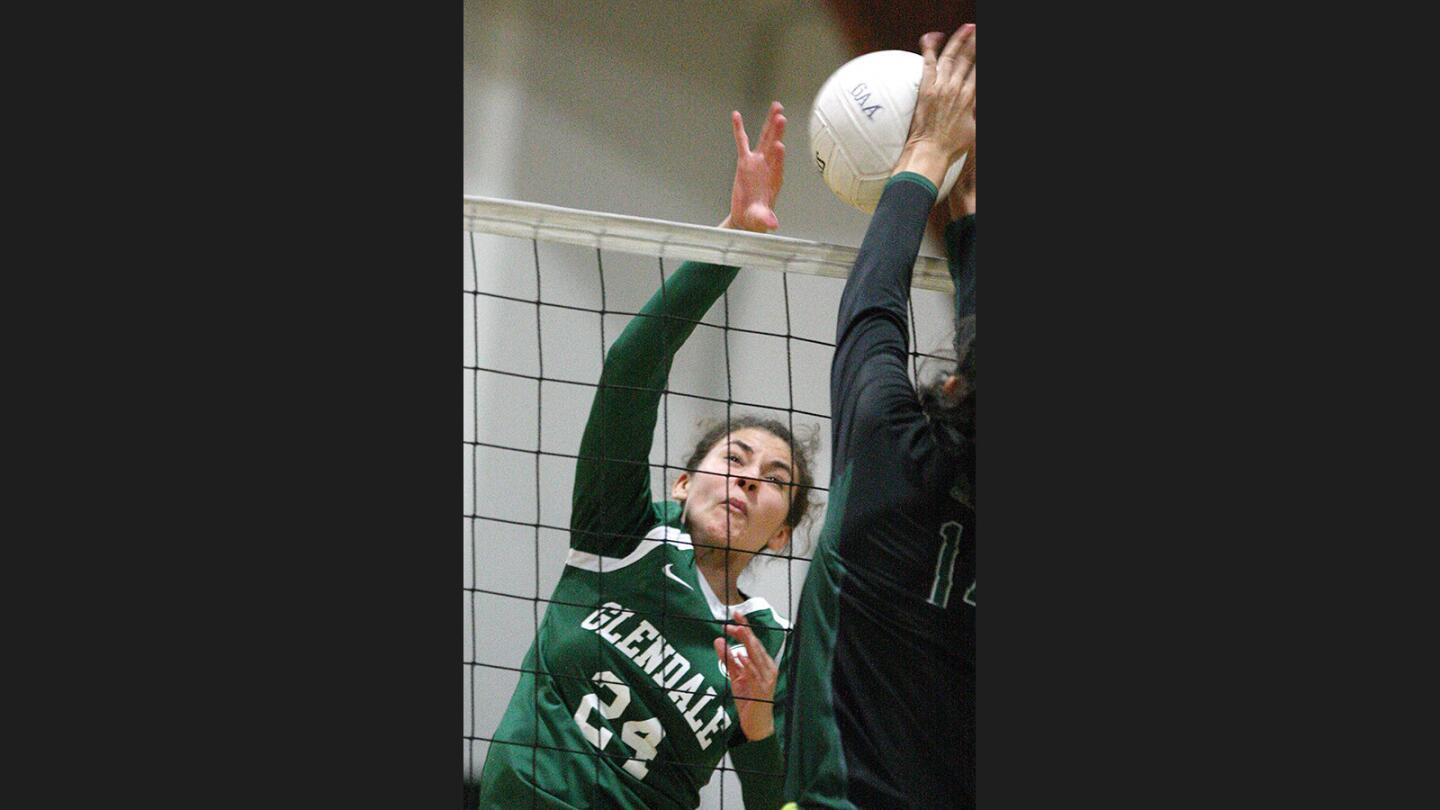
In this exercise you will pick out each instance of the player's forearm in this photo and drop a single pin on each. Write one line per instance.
(636, 366)
(879, 283)
(757, 718)
(925, 159)
(670, 316)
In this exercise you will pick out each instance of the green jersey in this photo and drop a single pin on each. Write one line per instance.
(622, 701)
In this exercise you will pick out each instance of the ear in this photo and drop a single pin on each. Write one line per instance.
(777, 542)
(681, 489)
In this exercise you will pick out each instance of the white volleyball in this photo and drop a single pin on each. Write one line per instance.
(859, 123)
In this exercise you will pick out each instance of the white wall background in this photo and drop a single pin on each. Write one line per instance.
(624, 107)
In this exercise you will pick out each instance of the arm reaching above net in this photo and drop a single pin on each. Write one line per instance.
(611, 501)
(758, 174)
(944, 123)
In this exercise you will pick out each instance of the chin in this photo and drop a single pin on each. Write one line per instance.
(717, 536)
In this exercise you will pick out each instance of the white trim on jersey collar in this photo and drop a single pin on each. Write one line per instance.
(601, 564)
(657, 537)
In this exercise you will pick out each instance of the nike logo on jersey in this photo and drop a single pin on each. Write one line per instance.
(671, 574)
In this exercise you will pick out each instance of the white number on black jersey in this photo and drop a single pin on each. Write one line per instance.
(945, 564)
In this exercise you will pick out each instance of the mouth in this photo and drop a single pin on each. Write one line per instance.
(737, 505)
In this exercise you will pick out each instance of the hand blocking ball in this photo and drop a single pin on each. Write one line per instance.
(859, 123)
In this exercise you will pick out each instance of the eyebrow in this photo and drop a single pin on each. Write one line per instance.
(774, 462)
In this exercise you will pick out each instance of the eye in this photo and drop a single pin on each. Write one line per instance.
(733, 458)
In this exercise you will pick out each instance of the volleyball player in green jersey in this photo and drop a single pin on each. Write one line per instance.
(876, 707)
(630, 695)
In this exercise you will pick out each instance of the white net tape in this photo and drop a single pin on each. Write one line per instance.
(677, 240)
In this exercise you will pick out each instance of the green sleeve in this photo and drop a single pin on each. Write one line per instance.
(611, 507)
(761, 770)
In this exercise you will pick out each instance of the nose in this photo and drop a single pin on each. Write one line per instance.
(748, 480)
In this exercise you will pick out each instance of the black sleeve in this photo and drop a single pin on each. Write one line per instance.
(872, 397)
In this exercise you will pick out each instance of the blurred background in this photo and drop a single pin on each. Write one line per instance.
(623, 107)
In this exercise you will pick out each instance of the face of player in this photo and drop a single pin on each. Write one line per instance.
(738, 497)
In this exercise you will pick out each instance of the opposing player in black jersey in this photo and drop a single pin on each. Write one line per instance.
(877, 709)
(629, 695)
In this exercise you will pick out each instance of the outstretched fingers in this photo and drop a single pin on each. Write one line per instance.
(730, 660)
(929, 44)
(965, 57)
(776, 158)
(957, 41)
(759, 174)
(741, 631)
(774, 128)
(742, 142)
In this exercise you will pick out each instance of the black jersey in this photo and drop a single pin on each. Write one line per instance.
(878, 703)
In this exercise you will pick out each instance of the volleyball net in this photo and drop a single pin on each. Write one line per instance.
(546, 291)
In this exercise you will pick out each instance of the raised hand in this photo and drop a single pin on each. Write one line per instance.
(752, 679)
(944, 109)
(943, 127)
(758, 174)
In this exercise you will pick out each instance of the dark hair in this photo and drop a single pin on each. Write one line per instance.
(802, 451)
(954, 416)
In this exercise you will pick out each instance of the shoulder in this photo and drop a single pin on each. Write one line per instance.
(771, 628)
(758, 610)
(666, 514)
(664, 530)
